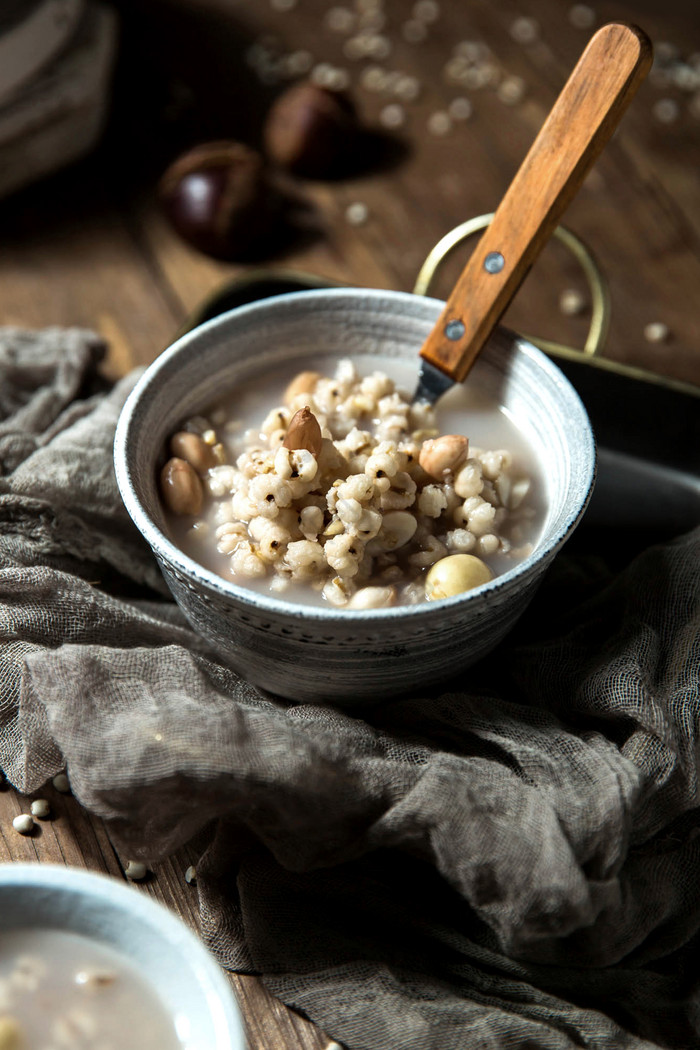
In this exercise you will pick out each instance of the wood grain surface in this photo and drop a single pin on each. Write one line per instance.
(90, 247)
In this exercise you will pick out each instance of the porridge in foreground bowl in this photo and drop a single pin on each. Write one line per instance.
(61, 989)
(344, 493)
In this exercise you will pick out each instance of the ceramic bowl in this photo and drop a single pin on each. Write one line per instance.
(327, 654)
(188, 980)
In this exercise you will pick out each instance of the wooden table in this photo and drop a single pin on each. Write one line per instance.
(89, 246)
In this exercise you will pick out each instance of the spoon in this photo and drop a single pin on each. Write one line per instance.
(601, 86)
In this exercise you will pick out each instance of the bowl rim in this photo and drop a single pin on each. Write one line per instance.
(257, 601)
(65, 881)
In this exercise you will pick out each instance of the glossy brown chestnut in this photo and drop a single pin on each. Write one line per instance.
(219, 199)
(312, 131)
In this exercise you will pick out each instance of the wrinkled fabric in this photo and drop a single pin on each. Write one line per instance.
(512, 861)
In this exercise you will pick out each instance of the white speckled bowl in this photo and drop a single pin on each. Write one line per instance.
(330, 654)
(188, 980)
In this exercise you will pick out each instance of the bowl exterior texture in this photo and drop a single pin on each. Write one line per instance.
(332, 655)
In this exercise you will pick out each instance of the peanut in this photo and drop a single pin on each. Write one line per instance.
(304, 432)
(180, 487)
(194, 450)
(439, 456)
(304, 383)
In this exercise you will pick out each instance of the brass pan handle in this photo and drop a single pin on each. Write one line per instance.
(600, 296)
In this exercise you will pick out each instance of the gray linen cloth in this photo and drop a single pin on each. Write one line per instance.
(512, 862)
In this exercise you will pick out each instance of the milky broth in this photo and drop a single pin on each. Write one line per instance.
(62, 990)
(466, 409)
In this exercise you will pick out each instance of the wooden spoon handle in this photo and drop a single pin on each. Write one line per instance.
(584, 117)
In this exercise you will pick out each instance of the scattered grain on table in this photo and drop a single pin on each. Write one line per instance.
(572, 302)
(581, 16)
(135, 870)
(357, 213)
(439, 123)
(61, 783)
(657, 332)
(23, 824)
(511, 90)
(392, 116)
(525, 30)
(460, 108)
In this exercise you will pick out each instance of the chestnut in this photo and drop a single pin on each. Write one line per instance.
(219, 199)
(313, 132)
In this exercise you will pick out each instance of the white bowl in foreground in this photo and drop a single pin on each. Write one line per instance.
(327, 654)
(187, 979)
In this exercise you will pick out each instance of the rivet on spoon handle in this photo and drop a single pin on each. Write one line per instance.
(584, 117)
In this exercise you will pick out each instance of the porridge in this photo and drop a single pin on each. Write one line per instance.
(63, 990)
(344, 493)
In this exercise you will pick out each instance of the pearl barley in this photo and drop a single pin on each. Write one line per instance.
(392, 116)
(439, 123)
(357, 213)
(656, 332)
